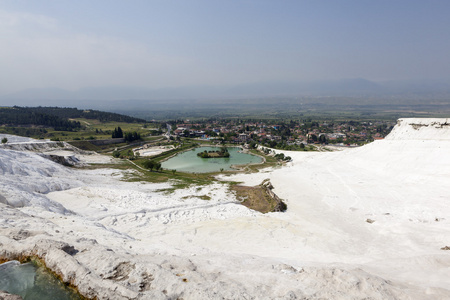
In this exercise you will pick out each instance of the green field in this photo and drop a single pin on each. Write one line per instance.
(91, 129)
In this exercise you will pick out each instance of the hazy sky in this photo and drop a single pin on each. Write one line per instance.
(73, 44)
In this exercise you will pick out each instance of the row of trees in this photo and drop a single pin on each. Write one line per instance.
(128, 136)
(223, 152)
(281, 156)
(132, 136)
(322, 139)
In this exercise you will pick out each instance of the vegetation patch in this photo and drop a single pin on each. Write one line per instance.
(259, 198)
(223, 152)
(85, 145)
(203, 197)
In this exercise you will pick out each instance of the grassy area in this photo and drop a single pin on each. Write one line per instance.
(105, 126)
(258, 198)
(92, 129)
(180, 180)
(85, 145)
(269, 161)
(254, 198)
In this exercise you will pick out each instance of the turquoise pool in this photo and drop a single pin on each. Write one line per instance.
(189, 161)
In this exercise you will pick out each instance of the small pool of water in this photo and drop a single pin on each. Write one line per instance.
(189, 161)
(32, 282)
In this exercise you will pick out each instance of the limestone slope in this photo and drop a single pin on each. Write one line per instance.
(362, 223)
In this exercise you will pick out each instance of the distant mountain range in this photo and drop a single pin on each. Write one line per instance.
(345, 87)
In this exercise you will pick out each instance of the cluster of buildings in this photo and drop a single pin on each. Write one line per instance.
(284, 133)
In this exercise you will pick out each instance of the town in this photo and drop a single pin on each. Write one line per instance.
(290, 135)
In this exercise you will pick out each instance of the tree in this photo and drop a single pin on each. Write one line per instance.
(279, 156)
(312, 138)
(132, 136)
(322, 139)
(4, 140)
(117, 133)
(149, 164)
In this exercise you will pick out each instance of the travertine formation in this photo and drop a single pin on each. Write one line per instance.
(120, 240)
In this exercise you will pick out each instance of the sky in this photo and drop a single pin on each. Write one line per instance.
(166, 43)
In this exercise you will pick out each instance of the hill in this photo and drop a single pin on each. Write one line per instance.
(67, 124)
(57, 117)
(20, 116)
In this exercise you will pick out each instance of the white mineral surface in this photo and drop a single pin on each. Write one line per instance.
(366, 222)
